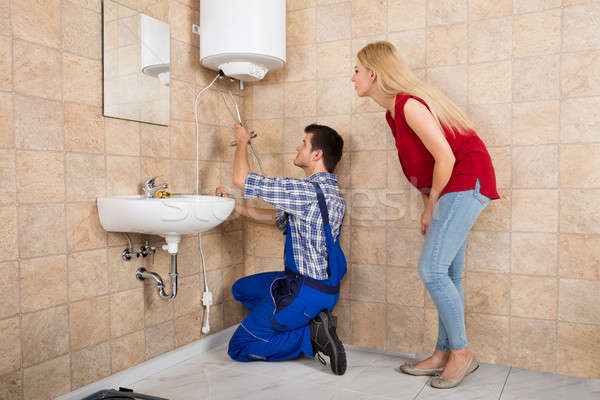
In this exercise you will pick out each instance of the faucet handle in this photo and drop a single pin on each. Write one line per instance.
(150, 182)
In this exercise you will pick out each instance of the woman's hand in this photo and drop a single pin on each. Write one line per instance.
(241, 134)
(426, 217)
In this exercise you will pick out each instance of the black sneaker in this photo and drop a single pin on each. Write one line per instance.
(324, 339)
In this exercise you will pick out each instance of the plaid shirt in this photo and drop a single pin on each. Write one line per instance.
(298, 209)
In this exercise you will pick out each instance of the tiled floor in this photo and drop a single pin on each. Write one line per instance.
(370, 375)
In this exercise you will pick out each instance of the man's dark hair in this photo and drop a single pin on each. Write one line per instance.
(326, 139)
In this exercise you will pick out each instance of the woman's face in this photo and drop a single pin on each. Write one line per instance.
(364, 80)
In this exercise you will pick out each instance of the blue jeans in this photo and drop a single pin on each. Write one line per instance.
(442, 258)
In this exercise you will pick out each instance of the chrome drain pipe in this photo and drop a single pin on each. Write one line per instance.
(142, 274)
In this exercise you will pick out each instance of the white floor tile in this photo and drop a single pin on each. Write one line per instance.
(529, 385)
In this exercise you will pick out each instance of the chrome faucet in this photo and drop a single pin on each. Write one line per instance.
(150, 189)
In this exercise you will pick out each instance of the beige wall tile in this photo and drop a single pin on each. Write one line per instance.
(83, 80)
(369, 131)
(82, 31)
(190, 292)
(490, 83)
(367, 282)
(497, 215)
(301, 26)
(488, 251)
(37, 21)
(10, 350)
(368, 324)
(447, 45)
(121, 274)
(84, 231)
(127, 351)
(578, 350)
(182, 176)
(446, 12)
(533, 344)
(580, 119)
(39, 237)
(406, 332)
(537, 33)
(6, 80)
(409, 45)
(492, 123)
(535, 5)
(37, 70)
(485, 9)
(334, 21)
(579, 211)
(581, 74)
(40, 176)
(490, 348)
(299, 4)
(155, 140)
(535, 210)
(7, 138)
(487, 293)
(268, 102)
(8, 175)
(529, 72)
(535, 123)
(230, 276)
(403, 208)
(5, 27)
(301, 63)
(38, 124)
(501, 161)
(579, 165)
(406, 14)
(183, 140)
(490, 40)
(264, 241)
(368, 170)
(233, 252)
(126, 312)
(452, 80)
(404, 287)
(84, 128)
(431, 329)
(8, 234)
(45, 335)
(334, 97)
(182, 96)
(534, 253)
(122, 136)
(187, 328)
(578, 301)
(580, 27)
(334, 60)
(300, 99)
(535, 166)
(578, 256)
(85, 178)
(9, 289)
(159, 339)
(11, 386)
(368, 17)
(367, 207)
(90, 365)
(43, 282)
(88, 274)
(47, 380)
(156, 310)
(396, 179)
(185, 17)
(89, 322)
(533, 297)
(123, 175)
(368, 245)
(271, 135)
(160, 9)
(184, 62)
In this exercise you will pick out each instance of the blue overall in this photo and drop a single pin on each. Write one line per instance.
(283, 303)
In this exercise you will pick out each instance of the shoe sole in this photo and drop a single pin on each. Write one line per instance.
(419, 372)
(451, 383)
(337, 358)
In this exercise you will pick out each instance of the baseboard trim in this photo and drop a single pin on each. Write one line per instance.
(152, 366)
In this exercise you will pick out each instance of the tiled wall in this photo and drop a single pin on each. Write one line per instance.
(527, 73)
(71, 311)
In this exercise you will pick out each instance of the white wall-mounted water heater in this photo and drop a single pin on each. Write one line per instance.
(244, 38)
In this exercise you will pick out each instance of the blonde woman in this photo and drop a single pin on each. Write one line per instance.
(442, 156)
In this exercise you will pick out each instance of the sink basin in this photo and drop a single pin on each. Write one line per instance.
(170, 217)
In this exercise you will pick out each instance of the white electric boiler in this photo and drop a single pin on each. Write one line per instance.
(244, 38)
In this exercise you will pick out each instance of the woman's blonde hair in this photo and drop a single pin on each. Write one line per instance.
(394, 76)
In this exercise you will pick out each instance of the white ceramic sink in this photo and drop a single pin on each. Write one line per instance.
(170, 218)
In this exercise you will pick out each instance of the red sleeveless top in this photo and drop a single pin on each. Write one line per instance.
(472, 158)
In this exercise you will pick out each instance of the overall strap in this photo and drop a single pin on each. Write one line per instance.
(322, 204)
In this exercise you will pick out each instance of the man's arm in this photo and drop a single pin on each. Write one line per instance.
(241, 167)
(262, 215)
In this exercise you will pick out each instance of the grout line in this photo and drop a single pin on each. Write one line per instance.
(505, 381)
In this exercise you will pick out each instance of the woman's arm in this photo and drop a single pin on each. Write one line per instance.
(422, 122)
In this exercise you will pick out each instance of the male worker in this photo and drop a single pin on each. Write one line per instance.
(290, 310)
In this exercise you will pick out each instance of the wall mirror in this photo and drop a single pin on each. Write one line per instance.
(136, 63)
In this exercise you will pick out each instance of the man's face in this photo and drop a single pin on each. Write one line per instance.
(304, 155)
